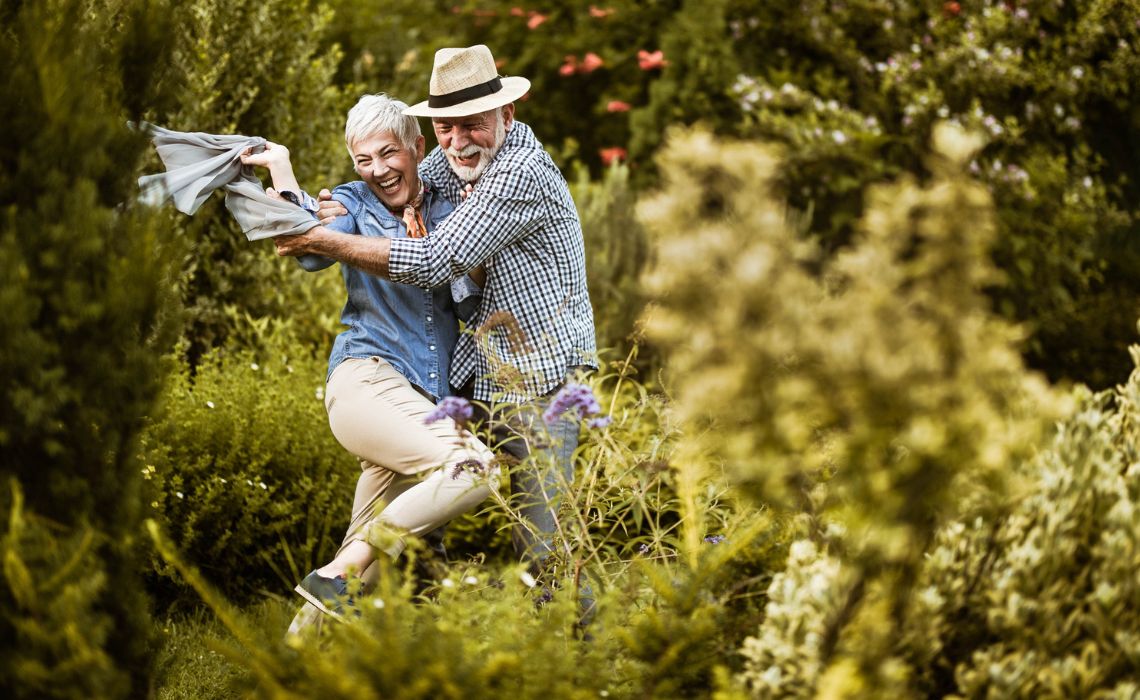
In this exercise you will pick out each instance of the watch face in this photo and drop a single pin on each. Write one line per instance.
(291, 197)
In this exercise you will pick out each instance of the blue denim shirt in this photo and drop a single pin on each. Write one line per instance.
(413, 329)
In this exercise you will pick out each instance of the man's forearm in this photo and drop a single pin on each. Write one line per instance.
(367, 254)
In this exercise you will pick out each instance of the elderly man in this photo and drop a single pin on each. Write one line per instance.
(534, 327)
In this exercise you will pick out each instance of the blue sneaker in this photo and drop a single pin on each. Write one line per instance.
(330, 595)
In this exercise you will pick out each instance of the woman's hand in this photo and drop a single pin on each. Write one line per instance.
(274, 156)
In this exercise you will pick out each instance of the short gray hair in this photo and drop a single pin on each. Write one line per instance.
(375, 114)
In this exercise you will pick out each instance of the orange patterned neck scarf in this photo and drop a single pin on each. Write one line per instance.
(413, 219)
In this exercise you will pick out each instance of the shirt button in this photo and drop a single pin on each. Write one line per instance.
(431, 347)
(429, 319)
(431, 375)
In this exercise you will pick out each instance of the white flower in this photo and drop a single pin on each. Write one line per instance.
(772, 676)
(320, 393)
(1087, 182)
(1077, 72)
(209, 404)
(262, 485)
(471, 580)
(254, 366)
(179, 494)
(447, 583)
(839, 136)
(527, 579)
(377, 603)
(222, 480)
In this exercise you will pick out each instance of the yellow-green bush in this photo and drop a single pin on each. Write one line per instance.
(875, 391)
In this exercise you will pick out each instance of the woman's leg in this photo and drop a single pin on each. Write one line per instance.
(375, 413)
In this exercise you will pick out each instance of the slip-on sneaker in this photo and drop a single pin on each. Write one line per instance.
(330, 595)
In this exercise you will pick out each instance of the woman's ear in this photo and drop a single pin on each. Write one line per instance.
(420, 148)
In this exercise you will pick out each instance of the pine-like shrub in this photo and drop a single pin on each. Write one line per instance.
(82, 275)
(242, 471)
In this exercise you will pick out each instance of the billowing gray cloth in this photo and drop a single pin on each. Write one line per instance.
(198, 163)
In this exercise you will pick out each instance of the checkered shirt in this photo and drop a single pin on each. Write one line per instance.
(521, 223)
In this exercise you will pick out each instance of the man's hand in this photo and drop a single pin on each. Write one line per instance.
(328, 208)
(292, 246)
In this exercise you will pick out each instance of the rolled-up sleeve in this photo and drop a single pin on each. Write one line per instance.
(504, 207)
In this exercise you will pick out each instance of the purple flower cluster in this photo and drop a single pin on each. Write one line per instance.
(577, 398)
(453, 407)
(714, 539)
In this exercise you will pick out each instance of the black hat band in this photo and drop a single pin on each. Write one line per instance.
(468, 93)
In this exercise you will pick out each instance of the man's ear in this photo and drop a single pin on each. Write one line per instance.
(508, 115)
(420, 148)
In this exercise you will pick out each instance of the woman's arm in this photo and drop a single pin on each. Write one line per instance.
(275, 158)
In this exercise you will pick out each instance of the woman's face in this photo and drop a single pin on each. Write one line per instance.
(388, 167)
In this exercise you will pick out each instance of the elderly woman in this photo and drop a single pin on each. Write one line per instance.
(390, 367)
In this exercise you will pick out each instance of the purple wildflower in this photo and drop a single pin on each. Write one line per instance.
(643, 549)
(577, 398)
(599, 422)
(453, 407)
(714, 539)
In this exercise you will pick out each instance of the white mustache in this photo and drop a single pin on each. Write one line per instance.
(471, 150)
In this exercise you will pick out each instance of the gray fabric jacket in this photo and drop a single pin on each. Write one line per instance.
(198, 163)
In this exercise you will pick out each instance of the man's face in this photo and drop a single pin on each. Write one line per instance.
(388, 167)
(471, 142)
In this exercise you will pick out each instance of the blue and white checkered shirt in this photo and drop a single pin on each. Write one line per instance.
(521, 223)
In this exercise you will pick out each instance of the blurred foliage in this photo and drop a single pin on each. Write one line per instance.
(242, 471)
(853, 89)
(872, 391)
(86, 322)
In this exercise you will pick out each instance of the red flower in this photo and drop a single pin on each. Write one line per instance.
(517, 12)
(591, 62)
(598, 12)
(649, 61)
(951, 9)
(612, 154)
(500, 62)
(535, 20)
(617, 106)
(569, 65)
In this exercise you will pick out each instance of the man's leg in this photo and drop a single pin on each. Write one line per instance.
(539, 484)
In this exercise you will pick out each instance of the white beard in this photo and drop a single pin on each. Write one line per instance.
(486, 155)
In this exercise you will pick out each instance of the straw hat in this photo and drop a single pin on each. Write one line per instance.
(465, 82)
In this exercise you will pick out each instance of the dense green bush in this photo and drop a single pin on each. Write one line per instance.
(853, 89)
(85, 326)
(242, 470)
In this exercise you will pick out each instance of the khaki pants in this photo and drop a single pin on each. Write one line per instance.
(409, 482)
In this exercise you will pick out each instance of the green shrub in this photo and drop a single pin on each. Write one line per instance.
(242, 470)
(854, 88)
(86, 323)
